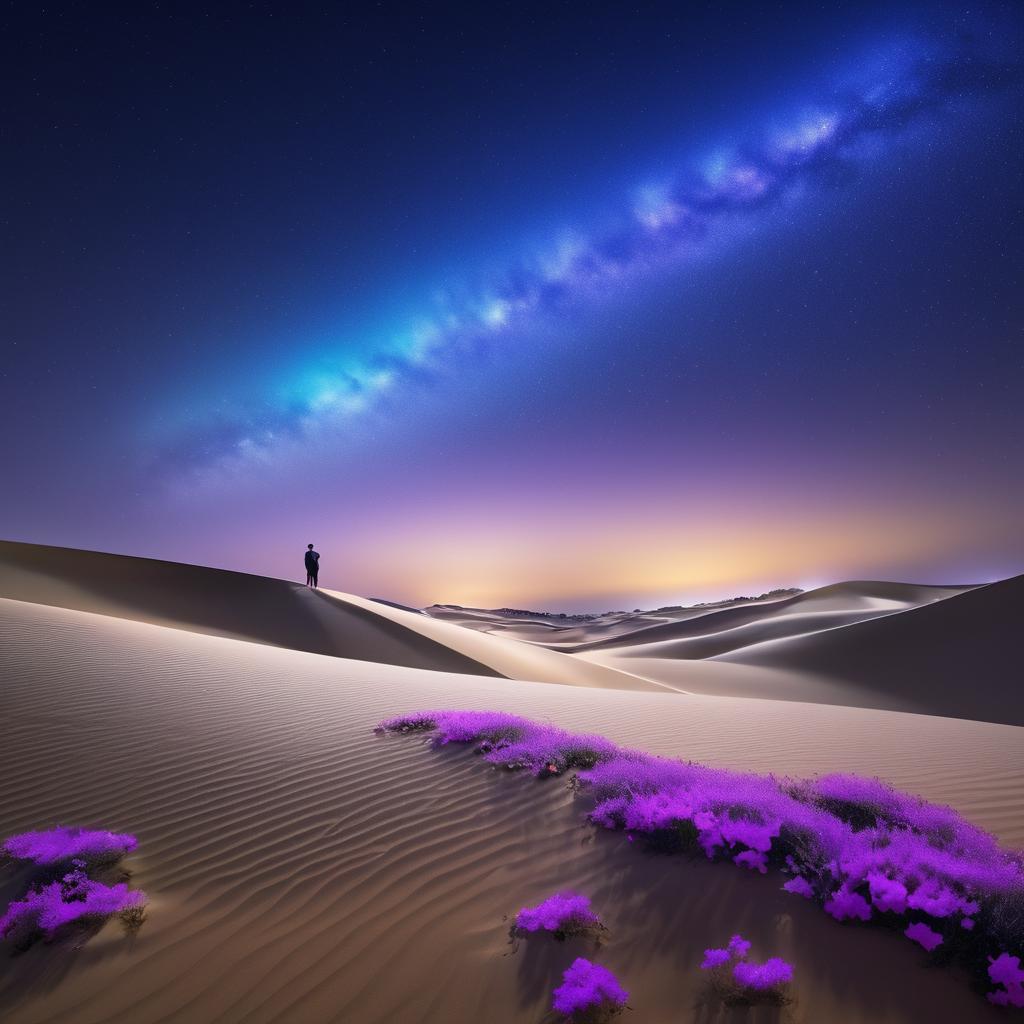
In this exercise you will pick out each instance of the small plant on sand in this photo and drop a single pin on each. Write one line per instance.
(589, 994)
(1005, 971)
(57, 845)
(74, 884)
(860, 849)
(133, 917)
(73, 899)
(563, 915)
(740, 982)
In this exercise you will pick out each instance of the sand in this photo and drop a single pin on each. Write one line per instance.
(303, 869)
(893, 646)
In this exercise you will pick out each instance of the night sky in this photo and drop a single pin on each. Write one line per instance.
(570, 306)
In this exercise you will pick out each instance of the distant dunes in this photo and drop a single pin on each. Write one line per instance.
(960, 656)
(937, 650)
(946, 650)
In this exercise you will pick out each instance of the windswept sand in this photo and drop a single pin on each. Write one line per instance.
(837, 604)
(949, 651)
(510, 658)
(956, 657)
(216, 602)
(302, 869)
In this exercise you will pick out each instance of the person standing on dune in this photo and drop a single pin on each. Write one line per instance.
(312, 566)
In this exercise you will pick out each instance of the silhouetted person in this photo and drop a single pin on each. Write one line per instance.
(312, 566)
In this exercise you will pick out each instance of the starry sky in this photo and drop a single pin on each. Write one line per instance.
(569, 306)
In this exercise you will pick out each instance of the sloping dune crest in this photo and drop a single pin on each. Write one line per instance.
(958, 657)
(510, 658)
(217, 602)
(280, 613)
(835, 605)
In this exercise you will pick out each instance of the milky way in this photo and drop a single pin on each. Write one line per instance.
(714, 195)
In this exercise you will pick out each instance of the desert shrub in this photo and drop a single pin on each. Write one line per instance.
(863, 850)
(408, 723)
(65, 891)
(57, 845)
(73, 899)
(133, 917)
(923, 935)
(1005, 972)
(563, 915)
(589, 994)
(740, 982)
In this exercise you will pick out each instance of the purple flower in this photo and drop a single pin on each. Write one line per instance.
(563, 912)
(845, 903)
(863, 845)
(756, 981)
(587, 987)
(761, 977)
(923, 935)
(887, 894)
(1005, 970)
(715, 958)
(799, 886)
(60, 844)
(753, 860)
(73, 897)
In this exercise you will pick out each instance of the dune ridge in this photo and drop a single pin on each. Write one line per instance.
(218, 602)
(954, 657)
(791, 648)
(849, 601)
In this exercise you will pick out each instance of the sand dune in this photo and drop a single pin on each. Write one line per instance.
(955, 657)
(302, 869)
(835, 604)
(510, 658)
(551, 632)
(893, 646)
(280, 613)
(217, 602)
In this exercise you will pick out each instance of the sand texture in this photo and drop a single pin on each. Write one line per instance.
(303, 869)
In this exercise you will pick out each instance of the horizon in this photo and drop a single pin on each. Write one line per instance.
(752, 594)
(711, 323)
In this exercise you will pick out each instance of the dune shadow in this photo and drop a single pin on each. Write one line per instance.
(220, 603)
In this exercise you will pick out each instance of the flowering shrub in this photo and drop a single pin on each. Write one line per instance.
(69, 895)
(860, 848)
(563, 914)
(509, 741)
(589, 993)
(63, 844)
(1005, 970)
(923, 935)
(738, 981)
(74, 897)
